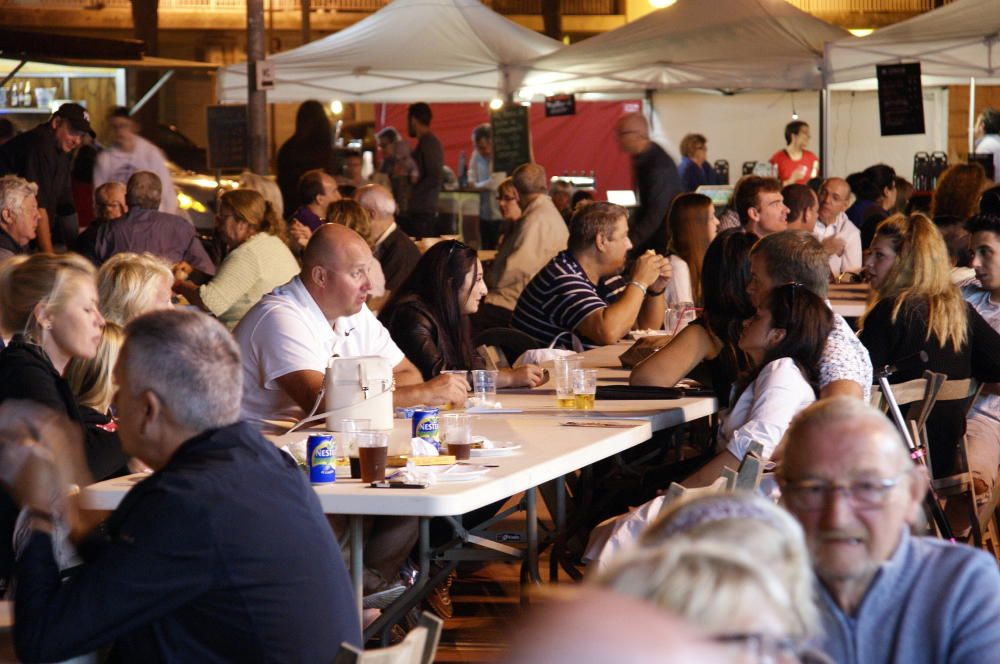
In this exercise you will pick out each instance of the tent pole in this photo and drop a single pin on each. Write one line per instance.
(972, 116)
(152, 91)
(824, 126)
(256, 99)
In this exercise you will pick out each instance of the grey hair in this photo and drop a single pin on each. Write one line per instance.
(377, 200)
(191, 362)
(13, 191)
(144, 190)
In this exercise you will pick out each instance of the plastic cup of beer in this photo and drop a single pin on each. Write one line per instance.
(584, 388)
(455, 372)
(456, 433)
(347, 445)
(484, 386)
(373, 453)
(562, 369)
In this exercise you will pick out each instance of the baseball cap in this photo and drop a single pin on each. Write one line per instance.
(77, 116)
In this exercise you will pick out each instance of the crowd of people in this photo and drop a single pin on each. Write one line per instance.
(142, 348)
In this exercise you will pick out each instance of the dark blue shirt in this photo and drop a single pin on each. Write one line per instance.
(694, 176)
(559, 297)
(224, 555)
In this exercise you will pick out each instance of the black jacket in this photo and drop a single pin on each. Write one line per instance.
(418, 334)
(26, 373)
(35, 156)
(657, 182)
(223, 555)
(397, 255)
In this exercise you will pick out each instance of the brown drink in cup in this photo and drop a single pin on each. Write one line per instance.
(372, 463)
(373, 452)
(456, 431)
(460, 451)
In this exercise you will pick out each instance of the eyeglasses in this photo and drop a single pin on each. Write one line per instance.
(764, 648)
(811, 495)
(506, 198)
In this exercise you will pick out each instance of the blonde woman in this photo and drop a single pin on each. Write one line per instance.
(130, 285)
(266, 187)
(49, 302)
(915, 307)
(258, 260)
(735, 564)
(91, 382)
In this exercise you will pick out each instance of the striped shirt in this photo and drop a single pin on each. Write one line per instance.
(559, 297)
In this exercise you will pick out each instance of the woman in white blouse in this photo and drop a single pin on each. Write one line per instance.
(693, 226)
(784, 340)
(258, 260)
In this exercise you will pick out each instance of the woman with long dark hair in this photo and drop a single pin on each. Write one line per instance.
(693, 226)
(428, 316)
(707, 349)
(311, 146)
(784, 341)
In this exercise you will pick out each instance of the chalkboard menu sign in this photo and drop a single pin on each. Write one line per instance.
(228, 136)
(511, 138)
(557, 105)
(900, 99)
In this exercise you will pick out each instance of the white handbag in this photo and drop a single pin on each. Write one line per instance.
(355, 388)
(359, 388)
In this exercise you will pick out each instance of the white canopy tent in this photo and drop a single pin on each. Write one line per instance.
(957, 44)
(724, 45)
(410, 50)
(952, 43)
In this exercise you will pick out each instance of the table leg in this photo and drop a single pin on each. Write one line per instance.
(356, 524)
(531, 519)
(559, 537)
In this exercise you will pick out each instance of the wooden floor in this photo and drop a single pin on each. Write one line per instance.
(488, 607)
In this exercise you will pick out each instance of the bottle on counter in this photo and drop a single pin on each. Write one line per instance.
(463, 170)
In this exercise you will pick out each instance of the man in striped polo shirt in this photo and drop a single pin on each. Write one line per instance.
(582, 291)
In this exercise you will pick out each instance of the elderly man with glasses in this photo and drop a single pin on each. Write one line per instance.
(885, 595)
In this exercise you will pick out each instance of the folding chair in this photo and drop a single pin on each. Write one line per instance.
(419, 647)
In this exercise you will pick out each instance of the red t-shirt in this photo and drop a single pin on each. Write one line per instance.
(786, 165)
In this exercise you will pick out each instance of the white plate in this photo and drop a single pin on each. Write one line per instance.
(498, 449)
(642, 334)
(458, 473)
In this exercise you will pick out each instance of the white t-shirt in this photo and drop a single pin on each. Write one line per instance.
(679, 287)
(765, 408)
(115, 165)
(979, 298)
(990, 143)
(287, 332)
(842, 227)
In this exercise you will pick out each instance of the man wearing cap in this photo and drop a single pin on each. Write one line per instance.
(42, 156)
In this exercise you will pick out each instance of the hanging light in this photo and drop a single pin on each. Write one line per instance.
(496, 104)
(336, 107)
(861, 32)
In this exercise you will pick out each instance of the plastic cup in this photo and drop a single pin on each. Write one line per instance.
(456, 432)
(484, 385)
(585, 388)
(562, 369)
(455, 372)
(373, 453)
(346, 441)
